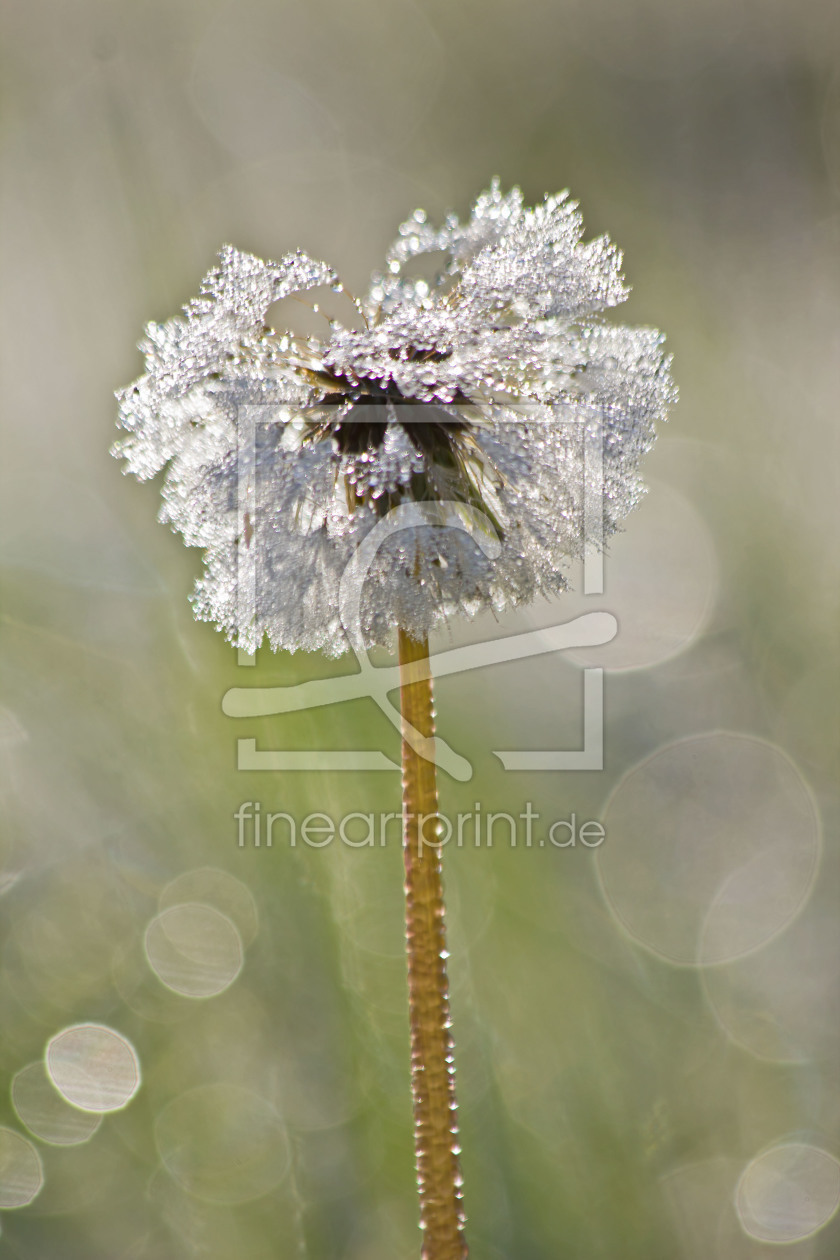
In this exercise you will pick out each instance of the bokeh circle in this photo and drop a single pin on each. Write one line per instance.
(788, 1193)
(712, 845)
(93, 1067)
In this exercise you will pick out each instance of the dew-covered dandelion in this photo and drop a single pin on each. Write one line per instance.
(458, 406)
(462, 391)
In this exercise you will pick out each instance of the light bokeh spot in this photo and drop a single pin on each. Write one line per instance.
(788, 1193)
(12, 731)
(46, 1113)
(712, 847)
(194, 950)
(140, 988)
(660, 582)
(222, 1143)
(782, 1002)
(93, 1067)
(8, 879)
(21, 1173)
(218, 889)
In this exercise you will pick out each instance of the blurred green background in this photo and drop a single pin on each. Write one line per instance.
(647, 1034)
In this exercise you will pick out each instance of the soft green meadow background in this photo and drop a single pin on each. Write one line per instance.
(647, 1034)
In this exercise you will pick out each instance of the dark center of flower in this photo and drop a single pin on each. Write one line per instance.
(429, 427)
(444, 442)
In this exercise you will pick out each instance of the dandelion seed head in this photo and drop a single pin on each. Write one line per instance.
(478, 389)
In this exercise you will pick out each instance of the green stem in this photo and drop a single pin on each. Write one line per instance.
(432, 1053)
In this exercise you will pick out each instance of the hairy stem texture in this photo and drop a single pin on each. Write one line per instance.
(432, 1062)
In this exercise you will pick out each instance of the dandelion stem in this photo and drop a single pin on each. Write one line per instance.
(432, 1053)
